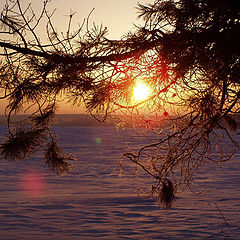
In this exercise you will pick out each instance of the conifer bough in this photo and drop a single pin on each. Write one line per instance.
(186, 51)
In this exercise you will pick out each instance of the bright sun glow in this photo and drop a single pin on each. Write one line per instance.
(141, 91)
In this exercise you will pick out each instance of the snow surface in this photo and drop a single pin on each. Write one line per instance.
(93, 202)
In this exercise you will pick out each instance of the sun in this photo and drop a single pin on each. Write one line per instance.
(141, 91)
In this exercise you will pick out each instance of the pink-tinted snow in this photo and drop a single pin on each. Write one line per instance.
(93, 202)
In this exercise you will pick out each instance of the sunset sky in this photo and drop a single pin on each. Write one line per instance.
(118, 16)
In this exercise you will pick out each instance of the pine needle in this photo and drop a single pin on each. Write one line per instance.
(22, 143)
(56, 161)
(166, 195)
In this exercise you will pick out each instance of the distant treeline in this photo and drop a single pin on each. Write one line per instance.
(88, 120)
(64, 120)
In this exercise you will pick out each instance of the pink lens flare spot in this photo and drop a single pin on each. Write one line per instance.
(32, 183)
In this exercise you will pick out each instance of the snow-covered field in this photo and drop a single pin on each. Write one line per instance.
(93, 202)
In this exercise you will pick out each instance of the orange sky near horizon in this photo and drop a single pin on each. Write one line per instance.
(117, 15)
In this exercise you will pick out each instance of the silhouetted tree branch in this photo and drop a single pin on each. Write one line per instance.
(186, 51)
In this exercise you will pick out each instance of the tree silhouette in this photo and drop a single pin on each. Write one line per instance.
(186, 51)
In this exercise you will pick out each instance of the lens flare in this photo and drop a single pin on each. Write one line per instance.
(98, 140)
(32, 183)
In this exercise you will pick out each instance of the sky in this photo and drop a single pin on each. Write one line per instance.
(118, 16)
